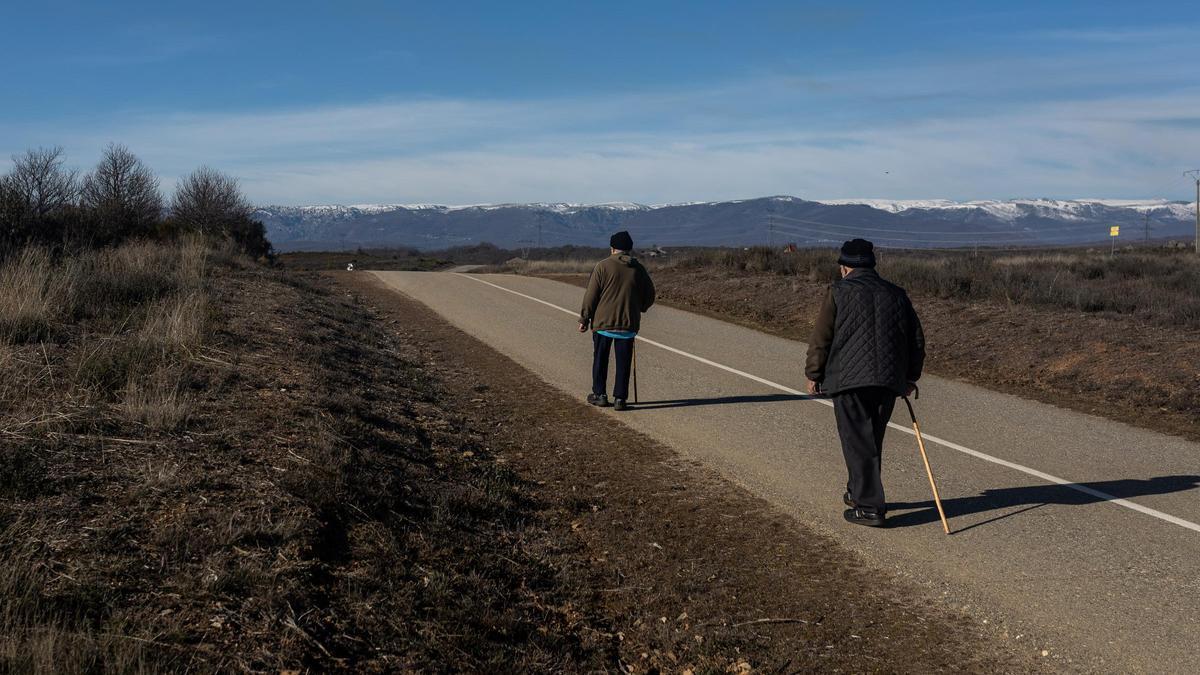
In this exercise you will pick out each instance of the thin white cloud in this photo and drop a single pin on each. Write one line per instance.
(961, 129)
(1060, 150)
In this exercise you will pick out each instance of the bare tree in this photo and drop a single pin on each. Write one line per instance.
(122, 196)
(209, 201)
(37, 200)
(40, 184)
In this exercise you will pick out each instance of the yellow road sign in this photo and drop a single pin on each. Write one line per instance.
(1114, 231)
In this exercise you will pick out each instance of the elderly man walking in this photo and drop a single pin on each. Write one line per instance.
(617, 293)
(867, 349)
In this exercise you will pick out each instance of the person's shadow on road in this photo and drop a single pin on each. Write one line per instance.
(720, 400)
(1036, 496)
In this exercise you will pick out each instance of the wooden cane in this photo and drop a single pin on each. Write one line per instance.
(937, 499)
(633, 350)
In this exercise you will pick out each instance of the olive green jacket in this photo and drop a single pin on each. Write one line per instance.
(618, 291)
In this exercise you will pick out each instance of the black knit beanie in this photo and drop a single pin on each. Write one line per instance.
(621, 241)
(857, 253)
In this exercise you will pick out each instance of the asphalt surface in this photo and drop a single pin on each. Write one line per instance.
(1106, 584)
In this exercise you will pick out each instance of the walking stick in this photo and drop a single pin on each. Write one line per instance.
(925, 458)
(633, 350)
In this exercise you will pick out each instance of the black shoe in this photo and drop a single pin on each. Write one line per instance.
(598, 400)
(860, 516)
(846, 499)
(619, 404)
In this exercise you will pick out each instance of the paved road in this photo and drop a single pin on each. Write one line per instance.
(1104, 569)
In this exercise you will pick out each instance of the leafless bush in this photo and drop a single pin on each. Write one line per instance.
(37, 201)
(40, 182)
(121, 197)
(209, 202)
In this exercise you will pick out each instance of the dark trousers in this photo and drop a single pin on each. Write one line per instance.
(862, 418)
(600, 348)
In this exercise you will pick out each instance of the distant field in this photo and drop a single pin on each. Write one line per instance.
(1156, 286)
(377, 260)
(415, 260)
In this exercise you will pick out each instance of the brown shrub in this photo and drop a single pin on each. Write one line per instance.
(112, 281)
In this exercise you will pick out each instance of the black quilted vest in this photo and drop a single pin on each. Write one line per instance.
(872, 330)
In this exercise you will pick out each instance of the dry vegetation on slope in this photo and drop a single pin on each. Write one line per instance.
(236, 470)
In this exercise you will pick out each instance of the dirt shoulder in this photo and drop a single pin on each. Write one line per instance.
(1104, 364)
(678, 568)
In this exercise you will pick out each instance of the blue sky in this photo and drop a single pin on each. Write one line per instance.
(470, 102)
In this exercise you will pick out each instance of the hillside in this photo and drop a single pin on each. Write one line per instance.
(919, 224)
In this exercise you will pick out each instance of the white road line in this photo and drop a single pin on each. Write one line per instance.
(949, 444)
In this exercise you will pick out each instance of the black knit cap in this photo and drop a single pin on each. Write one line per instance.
(857, 253)
(621, 241)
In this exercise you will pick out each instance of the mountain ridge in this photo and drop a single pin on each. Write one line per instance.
(932, 223)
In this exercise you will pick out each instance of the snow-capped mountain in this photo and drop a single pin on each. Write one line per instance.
(1065, 209)
(934, 223)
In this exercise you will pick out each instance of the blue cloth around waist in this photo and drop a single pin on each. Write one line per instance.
(618, 334)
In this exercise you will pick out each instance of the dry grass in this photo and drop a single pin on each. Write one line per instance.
(8, 357)
(194, 252)
(31, 296)
(54, 636)
(156, 400)
(96, 344)
(570, 266)
(110, 282)
(177, 321)
(124, 323)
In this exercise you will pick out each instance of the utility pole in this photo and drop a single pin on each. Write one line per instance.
(539, 234)
(771, 227)
(1194, 174)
